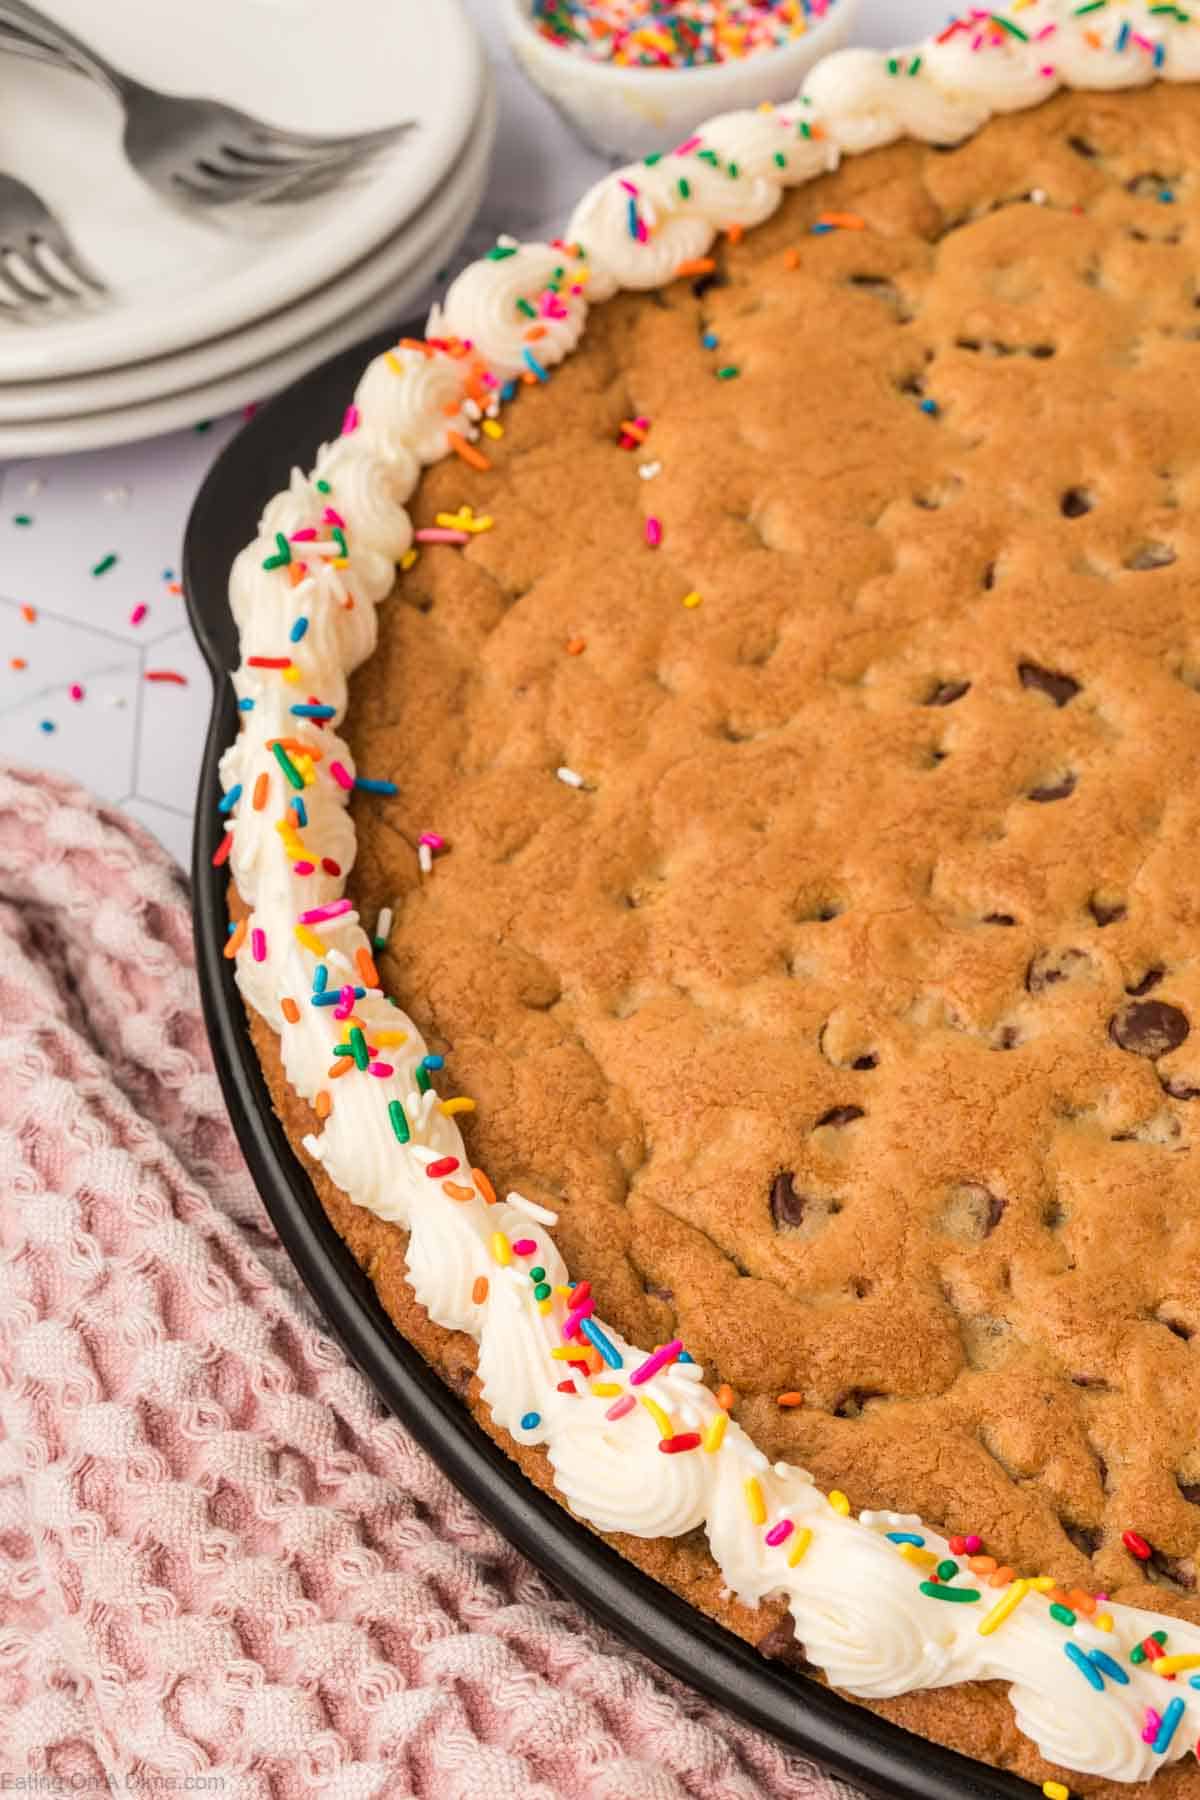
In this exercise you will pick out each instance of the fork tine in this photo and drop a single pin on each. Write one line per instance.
(16, 271)
(62, 250)
(300, 144)
(47, 263)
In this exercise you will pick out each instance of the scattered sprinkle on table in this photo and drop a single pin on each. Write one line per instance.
(167, 675)
(105, 564)
(22, 518)
(47, 725)
(570, 777)
(693, 599)
(645, 34)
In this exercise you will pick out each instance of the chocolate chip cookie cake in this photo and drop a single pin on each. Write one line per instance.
(713, 836)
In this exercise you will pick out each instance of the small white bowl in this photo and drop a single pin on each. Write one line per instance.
(633, 112)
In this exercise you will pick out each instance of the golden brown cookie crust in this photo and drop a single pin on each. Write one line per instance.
(843, 1016)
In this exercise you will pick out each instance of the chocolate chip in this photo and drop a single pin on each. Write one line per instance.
(945, 693)
(1179, 1089)
(1054, 790)
(781, 1646)
(841, 1115)
(1106, 912)
(865, 1062)
(1091, 1381)
(1190, 1491)
(998, 919)
(1007, 1038)
(1081, 147)
(972, 1212)
(658, 1293)
(1056, 686)
(1150, 556)
(787, 1206)
(1149, 980)
(1148, 1028)
(1177, 1328)
(1049, 966)
(1075, 503)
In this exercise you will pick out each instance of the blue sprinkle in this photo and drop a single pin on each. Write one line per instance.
(710, 340)
(1160, 55)
(531, 1421)
(930, 407)
(1123, 35)
(632, 214)
(1084, 1666)
(228, 801)
(331, 996)
(686, 1356)
(1166, 1730)
(230, 929)
(47, 725)
(1194, 1681)
(168, 574)
(1166, 198)
(535, 365)
(304, 709)
(300, 810)
(1101, 1660)
(508, 390)
(245, 706)
(298, 630)
(600, 1342)
(433, 1062)
(369, 786)
(820, 230)
(320, 978)
(905, 1537)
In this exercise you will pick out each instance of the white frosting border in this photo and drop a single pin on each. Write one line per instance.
(325, 555)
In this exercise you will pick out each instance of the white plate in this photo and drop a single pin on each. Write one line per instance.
(93, 431)
(180, 275)
(437, 228)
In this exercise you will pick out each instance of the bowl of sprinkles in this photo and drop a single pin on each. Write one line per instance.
(634, 76)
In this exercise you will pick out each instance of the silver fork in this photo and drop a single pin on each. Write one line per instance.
(39, 265)
(196, 149)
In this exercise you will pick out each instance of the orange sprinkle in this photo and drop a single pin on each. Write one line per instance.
(342, 1066)
(534, 332)
(297, 572)
(629, 428)
(1001, 1577)
(791, 1398)
(1057, 1597)
(17, 662)
(816, 131)
(298, 744)
(261, 789)
(289, 1009)
(479, 1292)
(236, 940)
(29, 613)
(791, 259)
(576, 646)
(364, 962)
(323, 1104)
(736, 233)
(1094, 39)
(695, 265)
(725, 1396)
(415, 344)
(474, 459)
(455, 1191)
(1080, 1602)
(485, 1187)
(982, 1565)
(844, 221)
(449, 409)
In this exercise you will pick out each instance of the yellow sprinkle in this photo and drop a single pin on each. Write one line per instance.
(661, 1419)
(493, 428)
(606, 1390)
(756, 1506)
(569, 1352)
(291, 674)
(309, 939)
(1041, 1584)
(1172, 1665)
(388, 1040)
(1003, 1607)
(1054, 1790)
(1104, 1621)
(920, 1559)
(502, 1251)
(801, 1539)
(458, 1105)
(839, 1502)
(408, 559)
(692, 599)
(393, 362)
(563, 1290)
(544, 1306)
(714, 1432)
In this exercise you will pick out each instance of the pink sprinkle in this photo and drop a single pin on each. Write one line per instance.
(304, 537)
(643, 233)
(433, 839)
(653, 533)
(1045, 32)
(779, 1532)
(977, 41)
(441, 534)
(75, 691)
(620, 1407)
(1048, 71)
(139, 612)
(304, 868)
(332, 909)
(524, 1246)
(570, 1325)
(489, 380)
(333, 518)
(688, 144)
(1151, 1727)
(345, 1005)
(628, 186)
(381, 1069)
(341, 775)
(351, 420)
(666, 1353)
(258, 944)
(445, 1165)
(1143, 42)
(973, 1544)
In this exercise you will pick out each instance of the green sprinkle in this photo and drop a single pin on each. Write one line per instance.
(946, 1571)
(729, 372)
(685, 188)
(339, 538)
(651, 160)
(733, 171)
(399, 1122)
(709, 156)
(104, 565)
(805, 128)
(1090, 7)
(202, 425)
(287, 765)
(1063, 1614)
(542, 1291)
(538, 1274)
(323, 487)
(358, 1045)
(893, 66)
(22, 518)
(780, 159)
(421, 1076)
(283, 553)
(938, 1591)
(914, 67)
(523, 306)
(1007, 25)
(497, 253)
(342, 1050)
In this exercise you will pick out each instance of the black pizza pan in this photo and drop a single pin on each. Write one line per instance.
(800, 1712)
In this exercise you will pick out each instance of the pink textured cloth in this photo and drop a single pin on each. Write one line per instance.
(223, 1567)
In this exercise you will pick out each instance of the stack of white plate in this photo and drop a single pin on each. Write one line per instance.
(210, 308)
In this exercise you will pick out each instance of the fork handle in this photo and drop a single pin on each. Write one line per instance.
(55, 38)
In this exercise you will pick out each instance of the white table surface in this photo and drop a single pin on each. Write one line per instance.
(134, 742)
